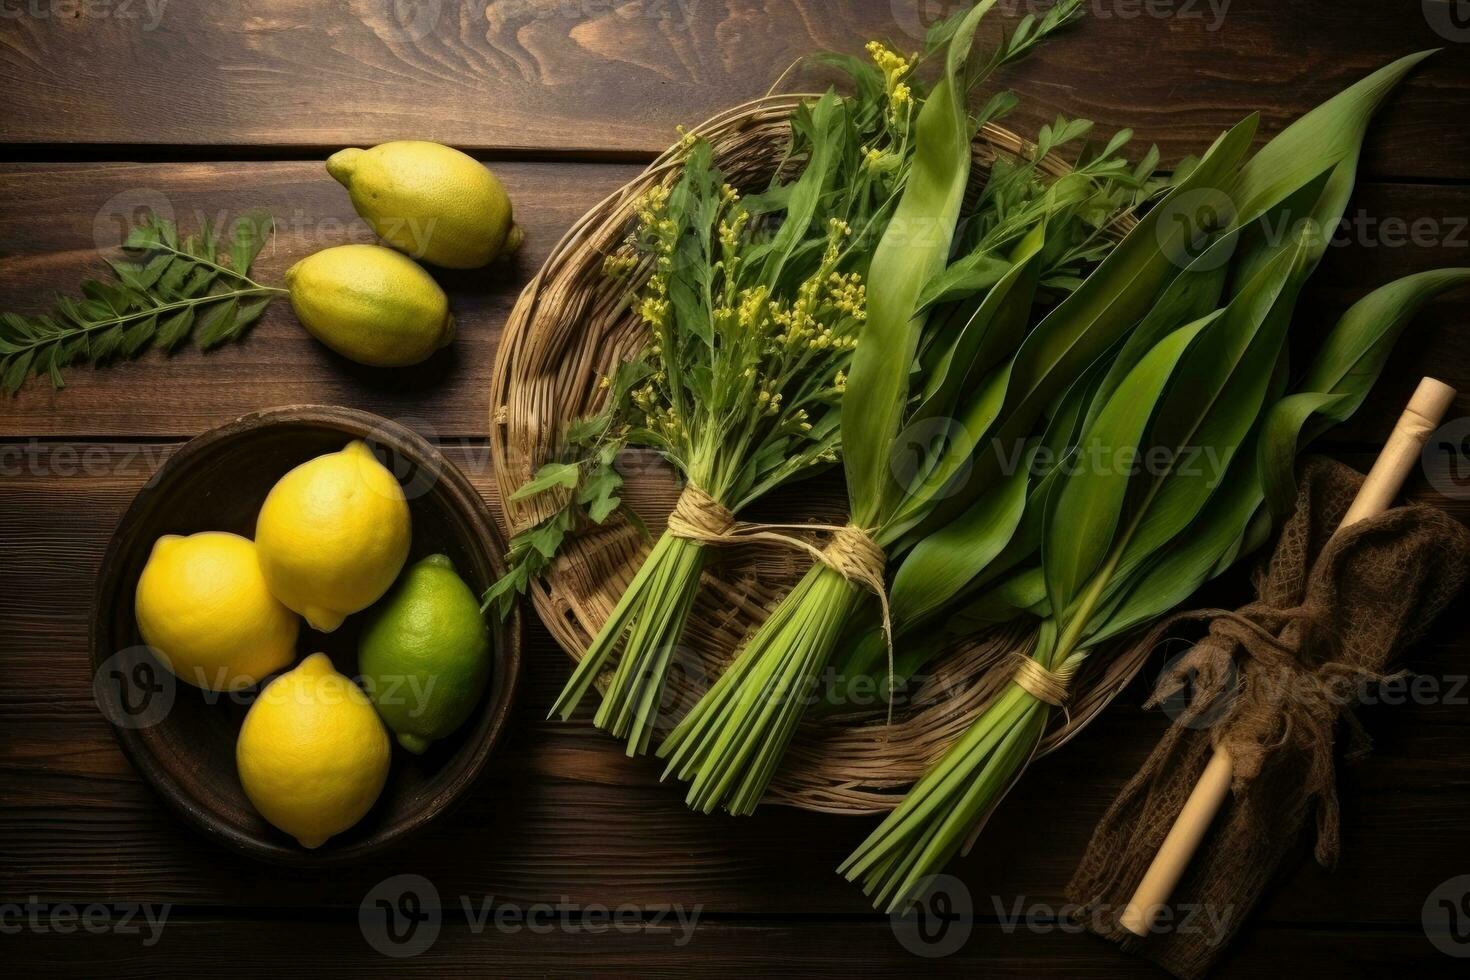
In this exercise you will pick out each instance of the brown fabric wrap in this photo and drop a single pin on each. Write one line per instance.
(1269, 683)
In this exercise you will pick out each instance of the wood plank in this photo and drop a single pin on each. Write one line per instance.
(194, 947)
(1393, 230)
(87, 206)
(614, 76)
(561, 812)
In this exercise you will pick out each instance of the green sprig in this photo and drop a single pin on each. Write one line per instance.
(166, 289)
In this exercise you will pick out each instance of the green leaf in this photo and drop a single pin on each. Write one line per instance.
(1329, 135)
(1279, 442)
(162, 290)
(1099, 314)
(17, 369)
(828, 118)
(174, 328)
(941, 564)
(1346, 366)
(971, 274)
(1351, 358)
(963, 386)
(251, 231)
(1191, 558)
(1218, 392)
(597, 493)
(550, 475)
(216, 324)
(913, 250)
(1082, 523)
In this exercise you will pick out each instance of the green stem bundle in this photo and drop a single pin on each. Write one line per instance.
(1117, 547)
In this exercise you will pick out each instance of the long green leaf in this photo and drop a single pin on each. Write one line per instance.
(942, 563)
(1331, 134)
(1217, 394)
(1083, 521)
(1098, 314)
(912, 251)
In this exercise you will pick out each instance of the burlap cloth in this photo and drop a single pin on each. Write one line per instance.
(1271, 682)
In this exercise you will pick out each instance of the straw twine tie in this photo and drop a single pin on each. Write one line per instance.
(851, 551)
(1042, 684)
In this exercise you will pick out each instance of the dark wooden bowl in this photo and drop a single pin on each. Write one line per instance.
(182, 739)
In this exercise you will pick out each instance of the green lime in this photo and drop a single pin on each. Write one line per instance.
(425, 653)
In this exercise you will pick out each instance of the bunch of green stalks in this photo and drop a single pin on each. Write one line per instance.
(753, 310)
(1175, 344)
(938, 339)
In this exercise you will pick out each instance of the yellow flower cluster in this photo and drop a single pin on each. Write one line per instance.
(895, 67)
(892, 64)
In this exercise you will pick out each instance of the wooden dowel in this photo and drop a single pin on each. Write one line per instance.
(1432, 399)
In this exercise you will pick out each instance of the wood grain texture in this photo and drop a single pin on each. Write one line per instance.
(561, 812)
(258, 94)
(612, 77)
(88, 206)
(1392, 230)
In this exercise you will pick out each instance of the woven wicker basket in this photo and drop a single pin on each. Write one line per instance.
(570, 326)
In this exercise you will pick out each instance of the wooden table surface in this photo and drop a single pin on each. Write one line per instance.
(203, 108)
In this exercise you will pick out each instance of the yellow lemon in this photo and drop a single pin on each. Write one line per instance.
(333, 534)
(429, 200)
(370, 304)
(312, 754)
(203, 604)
